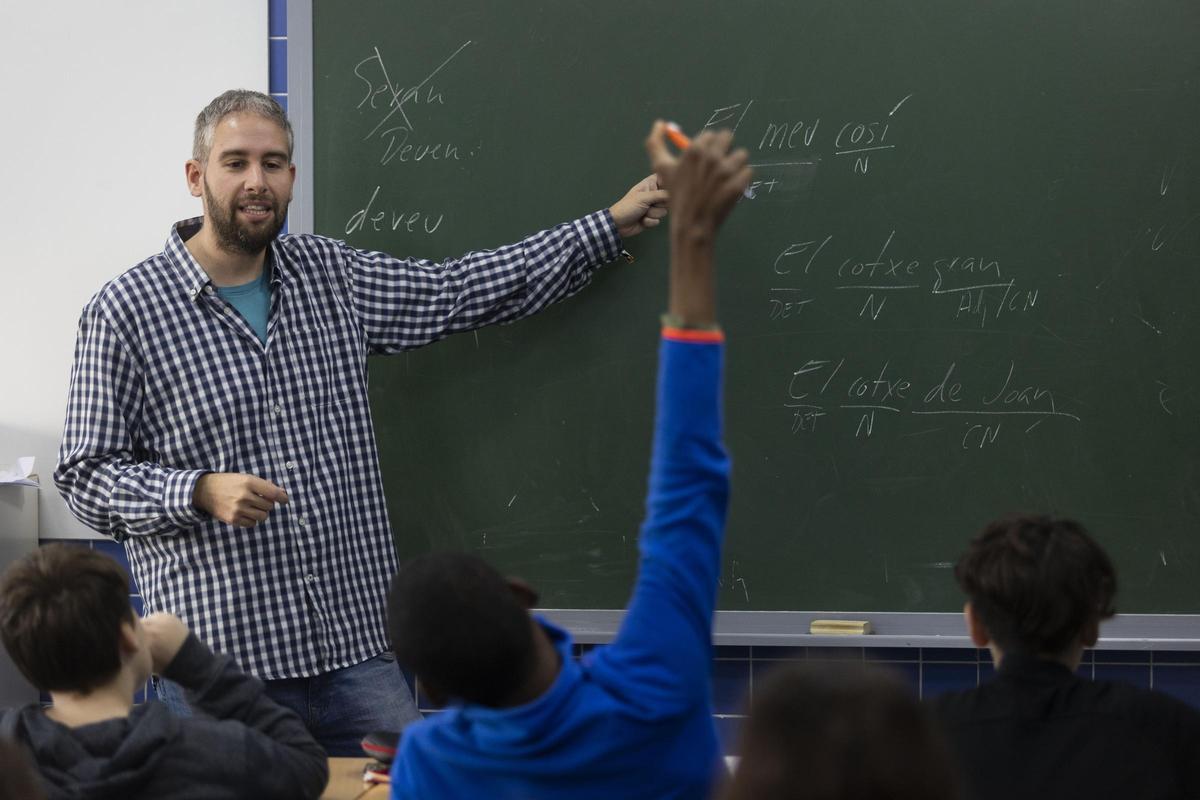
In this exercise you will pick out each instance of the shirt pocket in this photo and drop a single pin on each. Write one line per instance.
(315, 366)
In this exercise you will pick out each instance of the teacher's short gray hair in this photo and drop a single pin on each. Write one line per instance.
(237, 101)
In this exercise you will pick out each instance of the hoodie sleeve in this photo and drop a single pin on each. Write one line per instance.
(281, 757)
(662, 655)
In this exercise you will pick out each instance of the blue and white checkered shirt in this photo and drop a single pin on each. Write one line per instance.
(170, 382)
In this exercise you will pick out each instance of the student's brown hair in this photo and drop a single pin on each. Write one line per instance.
(61, 609)
(839, 732)
(1037, 583)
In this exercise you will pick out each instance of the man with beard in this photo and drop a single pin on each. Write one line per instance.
(218, 425)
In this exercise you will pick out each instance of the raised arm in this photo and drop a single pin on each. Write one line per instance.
(664, 642)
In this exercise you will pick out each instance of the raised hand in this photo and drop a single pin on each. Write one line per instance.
(706, 181)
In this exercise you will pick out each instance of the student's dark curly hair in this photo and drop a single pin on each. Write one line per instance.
(1037, 583)
(456, 624)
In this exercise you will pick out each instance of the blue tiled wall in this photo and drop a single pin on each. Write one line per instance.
(277, 48)
(931, 671)
(277, 55)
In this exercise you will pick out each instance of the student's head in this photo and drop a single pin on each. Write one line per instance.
(66, 621)
(1036, 585)
(461, 628)
(839, 732)
(241, 167)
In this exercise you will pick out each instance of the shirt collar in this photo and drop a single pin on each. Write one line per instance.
(194, 278)
(277, 262)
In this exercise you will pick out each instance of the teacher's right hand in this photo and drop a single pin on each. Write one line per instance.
(241, 500)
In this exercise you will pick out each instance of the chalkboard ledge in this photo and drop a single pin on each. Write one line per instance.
(892, 629)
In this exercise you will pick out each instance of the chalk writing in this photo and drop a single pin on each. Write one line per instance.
(856, 138)
(407, 221)
(395, 129)
(790, 148)
(823, 387)
(976, 288)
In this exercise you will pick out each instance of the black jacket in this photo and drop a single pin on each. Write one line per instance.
(251, 747)
(1040, 731)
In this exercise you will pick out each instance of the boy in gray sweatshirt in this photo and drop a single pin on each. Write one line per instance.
(66, 621)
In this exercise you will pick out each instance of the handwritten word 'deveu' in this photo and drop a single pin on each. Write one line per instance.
(392, 219)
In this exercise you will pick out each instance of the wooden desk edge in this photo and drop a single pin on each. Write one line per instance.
(346, 783)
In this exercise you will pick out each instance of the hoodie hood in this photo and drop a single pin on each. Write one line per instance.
(110, 759)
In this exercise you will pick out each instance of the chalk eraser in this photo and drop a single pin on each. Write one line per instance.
(839, 627)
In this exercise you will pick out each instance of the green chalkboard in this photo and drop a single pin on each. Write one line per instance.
(966, 284)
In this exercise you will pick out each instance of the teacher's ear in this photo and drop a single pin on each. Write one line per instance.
(194, 173)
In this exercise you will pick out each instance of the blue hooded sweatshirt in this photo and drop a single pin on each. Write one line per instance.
(632, 719)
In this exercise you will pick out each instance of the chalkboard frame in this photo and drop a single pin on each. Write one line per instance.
(890, 629)
(762, 628)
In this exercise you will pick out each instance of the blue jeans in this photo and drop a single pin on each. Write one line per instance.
(339, 707)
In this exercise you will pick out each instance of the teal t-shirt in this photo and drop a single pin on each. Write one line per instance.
(252, 300)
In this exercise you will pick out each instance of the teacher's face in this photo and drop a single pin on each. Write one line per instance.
(246, 182)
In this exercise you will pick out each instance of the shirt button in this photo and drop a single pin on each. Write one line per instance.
(310, 578)
(208, 289)
(303, 522)
(290, 465)
(277, 409)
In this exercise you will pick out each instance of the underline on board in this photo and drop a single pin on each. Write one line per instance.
(906, 286)
(970, 288)
(865, 149)
(1004, 413)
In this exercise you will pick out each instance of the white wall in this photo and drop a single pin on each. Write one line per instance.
(96, 124)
